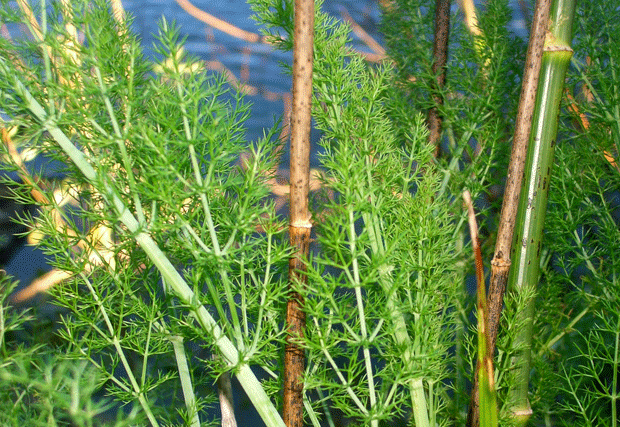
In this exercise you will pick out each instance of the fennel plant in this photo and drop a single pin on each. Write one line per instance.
(176, 261)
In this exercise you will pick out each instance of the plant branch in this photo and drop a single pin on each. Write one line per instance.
(186, 379)
(524, 275)
(440, 56)
(501, 260)
(220, 24)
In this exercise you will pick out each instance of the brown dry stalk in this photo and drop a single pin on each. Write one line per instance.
(300, 225)
(500, 265)
(473, 232)
(440, 56)
(501, 261)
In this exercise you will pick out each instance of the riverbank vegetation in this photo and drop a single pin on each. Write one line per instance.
(174, 264)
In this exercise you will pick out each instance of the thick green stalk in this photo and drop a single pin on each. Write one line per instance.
(533, 201)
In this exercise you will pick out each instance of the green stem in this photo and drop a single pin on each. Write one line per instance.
(324, 348)
(138, 392)
(362, 316)
(524, 275)
(119, 137)
(419, 402)
(186, 379)
(614, 382)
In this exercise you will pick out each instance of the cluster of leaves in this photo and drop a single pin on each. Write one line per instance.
(382, 287)
(480, 94)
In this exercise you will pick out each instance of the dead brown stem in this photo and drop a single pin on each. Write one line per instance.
(440, 56)
(300, 225)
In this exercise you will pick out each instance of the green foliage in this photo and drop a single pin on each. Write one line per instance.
(390, 335)
(383, 283)
(481, 91)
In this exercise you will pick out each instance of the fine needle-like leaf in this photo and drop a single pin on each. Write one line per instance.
(177, 283)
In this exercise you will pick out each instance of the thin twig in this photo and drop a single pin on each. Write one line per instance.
(484, 359)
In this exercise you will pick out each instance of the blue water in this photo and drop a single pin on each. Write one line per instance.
(260, 60)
